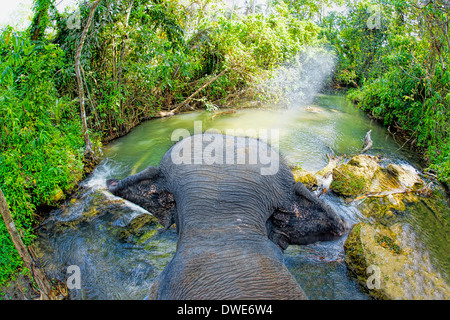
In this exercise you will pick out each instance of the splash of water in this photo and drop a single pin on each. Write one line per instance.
(298, 82)
(109, 169)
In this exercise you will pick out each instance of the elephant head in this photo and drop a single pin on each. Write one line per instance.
(304, 220)
(147, 189)
(228, 212)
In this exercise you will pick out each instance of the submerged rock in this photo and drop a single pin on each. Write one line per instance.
(307, 178)
(314, 109)
(384, 180)
(391, 263)
(408, 178)
(138, 227)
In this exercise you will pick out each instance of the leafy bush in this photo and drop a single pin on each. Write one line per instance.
(407, 98)
(40, 137)
(408, 85)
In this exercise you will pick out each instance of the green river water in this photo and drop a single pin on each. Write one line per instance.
(89, 232)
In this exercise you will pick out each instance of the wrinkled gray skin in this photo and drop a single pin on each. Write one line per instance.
(233, 224)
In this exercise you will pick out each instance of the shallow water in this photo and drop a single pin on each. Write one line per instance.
(305, 137)
(88, 232)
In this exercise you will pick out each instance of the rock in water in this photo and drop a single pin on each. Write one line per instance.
(408, 178)
(354, 178)
(392, 264)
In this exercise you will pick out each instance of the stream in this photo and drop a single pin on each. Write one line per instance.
(92, 231)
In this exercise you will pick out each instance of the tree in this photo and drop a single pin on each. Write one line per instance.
(125, 38)
(89, 153)
(40, 19)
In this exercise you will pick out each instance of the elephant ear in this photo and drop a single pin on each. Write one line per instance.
(303, 218)
(148, 190)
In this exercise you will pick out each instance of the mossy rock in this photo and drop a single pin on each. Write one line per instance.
(362, 174)
(358, 259)
(57, 195)
(407, 178)
(385, 210)
(305, 177)
(404, 273)
(366, 165)
(138, 227)
(384, 180)
(314, 109)
(95, 205)
(355, 177)
(347, 183)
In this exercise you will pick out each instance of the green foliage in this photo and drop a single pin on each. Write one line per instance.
(409, 88)
(356, 37)
(40, 142)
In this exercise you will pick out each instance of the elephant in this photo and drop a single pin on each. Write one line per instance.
(233, 222)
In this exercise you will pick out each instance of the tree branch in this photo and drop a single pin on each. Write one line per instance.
(182, 104)
(122, 49)
(88, 151)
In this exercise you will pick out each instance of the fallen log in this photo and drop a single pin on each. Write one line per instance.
(382, 194)
(221, 113)
(333, 161)
(182, 104)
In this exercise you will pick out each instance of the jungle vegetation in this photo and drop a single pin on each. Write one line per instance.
(76, 79)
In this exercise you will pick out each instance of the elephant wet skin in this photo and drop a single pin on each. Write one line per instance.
(233, 222)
